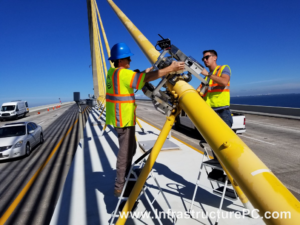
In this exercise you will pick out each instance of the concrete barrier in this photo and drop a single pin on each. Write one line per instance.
(267, 110)
(33, 109)
(284, 112)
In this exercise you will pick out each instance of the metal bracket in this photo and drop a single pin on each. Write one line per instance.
(162, 101)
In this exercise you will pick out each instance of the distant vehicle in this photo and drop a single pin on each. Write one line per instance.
(14, 110)
(238, 125)
(83, 101)
(17, 139)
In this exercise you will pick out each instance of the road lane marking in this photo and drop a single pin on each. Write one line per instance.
(258, 140)
(19, 198)
(280, 127)
(260, 171)
(41, 122)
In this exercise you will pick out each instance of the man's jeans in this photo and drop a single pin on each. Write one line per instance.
(225, 114)
(126, 152)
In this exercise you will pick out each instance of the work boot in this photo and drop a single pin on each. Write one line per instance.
(129, 187)
(218, 175)
(117, 193)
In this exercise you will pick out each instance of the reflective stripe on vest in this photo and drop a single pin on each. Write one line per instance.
(120, 98)
(206, 78)
(215, 95)
(116, 81)
(136, 79)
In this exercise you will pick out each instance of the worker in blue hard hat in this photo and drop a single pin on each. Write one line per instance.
(121, 107)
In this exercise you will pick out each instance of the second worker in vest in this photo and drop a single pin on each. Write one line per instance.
(121, 107)
(218, 95)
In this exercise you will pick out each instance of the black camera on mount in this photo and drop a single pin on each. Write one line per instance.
(163, 44)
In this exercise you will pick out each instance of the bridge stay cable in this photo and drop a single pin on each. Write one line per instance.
(97, 54)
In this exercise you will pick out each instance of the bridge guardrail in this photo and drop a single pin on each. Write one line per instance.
(33, 109)
(286, 112)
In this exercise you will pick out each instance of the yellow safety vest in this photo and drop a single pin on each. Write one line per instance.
(217, 95)
(120, 99)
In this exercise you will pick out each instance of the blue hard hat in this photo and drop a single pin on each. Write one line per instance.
(119, 51)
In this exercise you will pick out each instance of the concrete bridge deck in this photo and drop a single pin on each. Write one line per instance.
(87, 196)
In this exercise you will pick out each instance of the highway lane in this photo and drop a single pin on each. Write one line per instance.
(38, 202)
(275, 141)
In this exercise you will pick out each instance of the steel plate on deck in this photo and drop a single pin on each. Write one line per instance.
(168, 145)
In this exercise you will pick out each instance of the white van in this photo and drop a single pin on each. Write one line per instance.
(14, 109)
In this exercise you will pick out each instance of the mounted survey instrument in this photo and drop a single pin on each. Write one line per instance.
(164, 101)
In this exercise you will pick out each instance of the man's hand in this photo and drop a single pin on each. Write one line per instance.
(176, 66)
(148, 70)
(204, 72)
(153, 75)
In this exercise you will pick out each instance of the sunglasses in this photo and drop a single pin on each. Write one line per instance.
(206, 57)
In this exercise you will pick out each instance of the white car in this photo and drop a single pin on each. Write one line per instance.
(17, 139)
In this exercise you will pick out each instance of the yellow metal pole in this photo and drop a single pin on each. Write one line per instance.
(101, 113)
(104, 36)
(102, 102)
(148, 167)
(148, 49)
(261, 186)
(140, 125)
(100, 99)
(99, 103)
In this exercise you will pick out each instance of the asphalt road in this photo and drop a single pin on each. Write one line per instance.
(276, 141)
(36, 180)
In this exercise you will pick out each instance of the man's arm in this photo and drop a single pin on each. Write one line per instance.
(175, 66)
(222, 80)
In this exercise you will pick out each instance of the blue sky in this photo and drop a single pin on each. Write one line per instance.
(45, 52)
